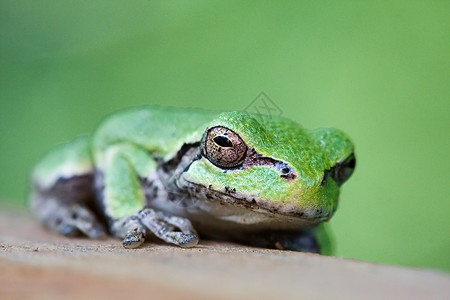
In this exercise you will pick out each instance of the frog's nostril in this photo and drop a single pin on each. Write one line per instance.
(285, 170)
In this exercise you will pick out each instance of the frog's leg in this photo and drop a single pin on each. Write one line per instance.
(124, 200)
(62, 190)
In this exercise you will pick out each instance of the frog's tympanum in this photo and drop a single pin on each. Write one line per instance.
(177, 173)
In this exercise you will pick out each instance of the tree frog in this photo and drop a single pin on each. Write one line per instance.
(179, 173)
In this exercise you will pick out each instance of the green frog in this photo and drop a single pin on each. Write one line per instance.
(180, 173)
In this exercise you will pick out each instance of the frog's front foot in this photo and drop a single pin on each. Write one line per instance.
(171, 229)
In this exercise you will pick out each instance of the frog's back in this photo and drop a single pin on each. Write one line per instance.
(160, 130)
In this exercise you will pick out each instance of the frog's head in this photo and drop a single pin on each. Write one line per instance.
(273, 164)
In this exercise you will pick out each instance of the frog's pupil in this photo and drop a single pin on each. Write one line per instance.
(223, 141)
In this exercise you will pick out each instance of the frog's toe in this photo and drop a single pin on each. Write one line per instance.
(130, 230)
(91, 230)
(171, 229)
(69, 230)
(182, 239)
(133, 239)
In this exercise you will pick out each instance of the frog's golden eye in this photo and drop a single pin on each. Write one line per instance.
(224, 148)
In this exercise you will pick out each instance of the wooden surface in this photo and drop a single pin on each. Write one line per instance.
(36, 264)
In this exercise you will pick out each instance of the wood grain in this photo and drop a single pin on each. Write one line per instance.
(37, 264)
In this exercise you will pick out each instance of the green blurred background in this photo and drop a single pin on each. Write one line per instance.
(376, 69)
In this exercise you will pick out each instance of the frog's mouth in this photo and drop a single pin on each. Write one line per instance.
(231, 198)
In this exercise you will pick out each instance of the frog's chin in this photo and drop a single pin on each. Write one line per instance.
(230, 198)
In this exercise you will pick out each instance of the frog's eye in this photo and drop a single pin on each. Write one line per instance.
(224, 148)
(343, 170)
